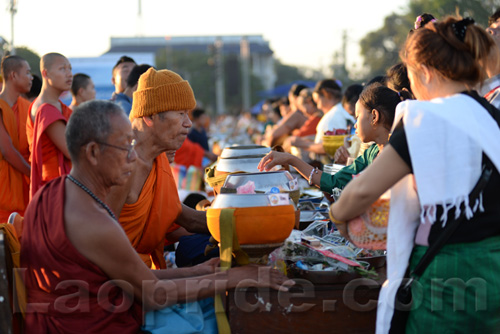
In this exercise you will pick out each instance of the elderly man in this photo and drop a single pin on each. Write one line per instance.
(82, 273)
(151, 205)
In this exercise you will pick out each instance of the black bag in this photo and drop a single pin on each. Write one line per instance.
(403, 301)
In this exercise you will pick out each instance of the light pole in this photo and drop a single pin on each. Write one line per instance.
(220, 96)
(13, 10)
(245, 70)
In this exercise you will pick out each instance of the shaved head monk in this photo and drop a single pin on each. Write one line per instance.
(47, 123)
(83, 276)
(14, 165)
(151, 205)
(82, 90)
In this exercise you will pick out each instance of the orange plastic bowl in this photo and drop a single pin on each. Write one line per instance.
(257, 225)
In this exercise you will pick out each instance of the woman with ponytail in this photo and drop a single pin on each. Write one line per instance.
(437, 153)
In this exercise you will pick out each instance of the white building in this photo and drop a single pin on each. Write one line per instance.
(261, 55)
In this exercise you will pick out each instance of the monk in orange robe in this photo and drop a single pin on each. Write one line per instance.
(147, 221)
(47, 123)
(14, 153)
(149, 206)
(82, 275)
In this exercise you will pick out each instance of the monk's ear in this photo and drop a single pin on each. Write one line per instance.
(148, 120)
(44, 73)
(12, 75)
(92, 152)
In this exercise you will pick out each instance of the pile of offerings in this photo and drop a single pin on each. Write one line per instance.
(321, 255)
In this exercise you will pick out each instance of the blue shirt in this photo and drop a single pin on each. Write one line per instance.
(199, 137)
(125, 102)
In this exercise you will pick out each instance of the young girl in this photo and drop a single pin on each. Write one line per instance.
(375, 114)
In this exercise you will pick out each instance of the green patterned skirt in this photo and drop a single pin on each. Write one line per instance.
(459, 291)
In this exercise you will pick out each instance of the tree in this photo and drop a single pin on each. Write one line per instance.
(380, 48)
(198, 68)
(480, 10)
(31, 57)
(286, 73)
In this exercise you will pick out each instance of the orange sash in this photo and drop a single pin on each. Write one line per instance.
(47, 161)
(11, 185)
(147, 221)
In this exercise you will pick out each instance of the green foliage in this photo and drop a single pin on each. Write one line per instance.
(192, 66)
(198, 68)
(287, 73)
(480, 10)
(31, 57)
(380, 48)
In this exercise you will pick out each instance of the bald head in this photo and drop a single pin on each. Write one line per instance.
(11, 64)
(49, 59)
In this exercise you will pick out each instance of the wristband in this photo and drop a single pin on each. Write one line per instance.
(335, 221)
(313, 171)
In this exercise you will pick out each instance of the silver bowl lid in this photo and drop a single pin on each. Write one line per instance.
(244, 150)
(263, 181)
(246, 201)
(239, 164)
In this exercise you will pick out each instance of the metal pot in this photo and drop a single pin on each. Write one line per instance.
(239, 164)
(244, 151)
(263, 181)
(242, 201)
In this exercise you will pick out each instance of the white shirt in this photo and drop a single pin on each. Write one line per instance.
(336, 118)
(492, 86)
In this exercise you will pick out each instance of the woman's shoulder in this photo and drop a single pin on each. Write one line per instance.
(439, 102)
(416, 109)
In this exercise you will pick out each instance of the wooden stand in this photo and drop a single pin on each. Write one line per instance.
(306, 308)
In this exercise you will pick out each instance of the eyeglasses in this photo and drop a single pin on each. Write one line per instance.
(129, 149)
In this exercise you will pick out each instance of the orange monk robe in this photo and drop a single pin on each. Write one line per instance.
(12, 181)
(21, 109)
(189, 154)
(47, 161)
(147, 221)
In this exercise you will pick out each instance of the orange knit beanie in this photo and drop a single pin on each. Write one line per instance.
(159, 91)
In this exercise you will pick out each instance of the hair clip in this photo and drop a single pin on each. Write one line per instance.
(460, 27)
(417, 21)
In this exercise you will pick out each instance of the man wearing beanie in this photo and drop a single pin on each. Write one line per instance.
(149, 206)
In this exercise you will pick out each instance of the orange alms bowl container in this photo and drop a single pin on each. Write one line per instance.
(257, 225)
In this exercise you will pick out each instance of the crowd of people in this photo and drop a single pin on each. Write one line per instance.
(92, 198)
